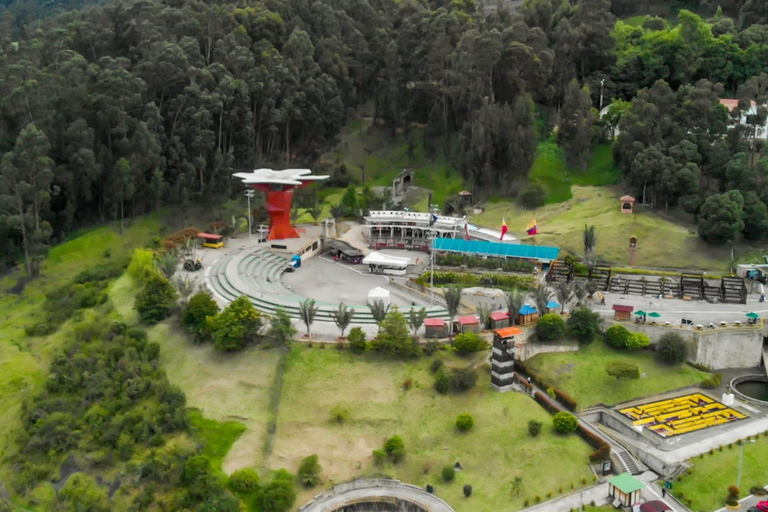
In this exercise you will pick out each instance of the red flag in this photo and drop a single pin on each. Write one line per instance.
(503, 228)
(466, 230)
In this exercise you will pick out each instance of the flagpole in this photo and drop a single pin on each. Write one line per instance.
(432, 272)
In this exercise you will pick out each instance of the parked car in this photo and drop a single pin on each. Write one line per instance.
(762, 506)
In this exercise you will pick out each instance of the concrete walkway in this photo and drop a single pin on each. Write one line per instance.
(597, 493)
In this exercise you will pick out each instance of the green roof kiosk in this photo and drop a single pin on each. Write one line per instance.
(624, 490)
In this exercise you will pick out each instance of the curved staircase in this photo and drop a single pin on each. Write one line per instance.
(257, 275)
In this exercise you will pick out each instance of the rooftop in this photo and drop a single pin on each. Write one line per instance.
(626, 483)
(499, 315)
(625, 309)
(533, 252)
(434, 322)
(508, 332)
(468, 320)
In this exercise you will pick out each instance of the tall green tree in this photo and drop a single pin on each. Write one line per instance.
(576, 126)
(721, 217)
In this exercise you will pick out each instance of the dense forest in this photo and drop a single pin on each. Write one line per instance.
(112, 110)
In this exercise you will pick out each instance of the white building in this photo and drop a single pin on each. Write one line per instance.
(414, 230)
(746, 118)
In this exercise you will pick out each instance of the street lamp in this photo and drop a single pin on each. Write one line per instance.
(741, 460)
(602, 83)
(249, 193)
(581, 500)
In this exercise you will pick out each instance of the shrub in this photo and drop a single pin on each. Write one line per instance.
(622, 370)
(379, 457)
(469, 342)
(394, 336)
(671, 348)
(533, 196)
(442, 381)
(339, 413)
(309, 471)
(566, 400)
(617, 336)
(550, 327)
(638, 340)
(564, 422)
(463, 380)
(237, 325)
(448, 474)
(467, 491)
(534, 428)
(601, 454)
(280, 494)
(407, 384)
(244, 481)
(142, 265)
(465, 422)
(156, 300)
(758, 490)
(356, 340)
(195, 314)
(712, 381)
(733, 496)
(436, 365)
(583, 324)
(395, 448)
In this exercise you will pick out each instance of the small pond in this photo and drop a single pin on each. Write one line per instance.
(754, 389)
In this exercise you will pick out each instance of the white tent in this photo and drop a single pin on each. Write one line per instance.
(378, 294)
(378, 258)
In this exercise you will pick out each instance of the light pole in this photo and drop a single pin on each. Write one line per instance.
(581, 500)
(741, 460)
(602, 83)
(432, 271)
(249, 193)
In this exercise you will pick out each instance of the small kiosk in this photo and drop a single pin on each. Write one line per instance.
(211, 240)
(624, 490)
(499, 319)
(621, 312)
(468, 323)
(435, 328)
(527, 315)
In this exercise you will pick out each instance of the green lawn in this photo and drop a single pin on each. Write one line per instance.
(495, 451)
(708, 482)
(24, 361)
(661, 243)
(582, 374)
(550, 171)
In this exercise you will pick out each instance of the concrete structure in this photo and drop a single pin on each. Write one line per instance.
(503, 358)
(745, 117)
(376, 494)
(415, 230)
(627, 204)
(278, 188)
(625, 489)
(402, 182)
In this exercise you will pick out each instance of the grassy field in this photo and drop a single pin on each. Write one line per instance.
(582, 374)
(24, 360)
(224, 387)
(550, 171)
(661, 243)
(495, 451)
(707, 485)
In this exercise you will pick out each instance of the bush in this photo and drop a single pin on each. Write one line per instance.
(237, 325)
(622, 370)
(142, 266)
(566, 400)
(507, 265)
(534, 428)
(280, 494)
(309, 471)
(244, 481)
(195, 314)
(356, 340)
(533, 196)
(550, 327)
(463, 380)
(448, 474)
(583, 324)
(758, 490)
(601, 454)
(465, 422)
(436, 365)
(156, 300)
(467, 491)
(505, 281)
(469, 342)
(442, 381)
(671, 348)
(379, 457)
(339, 413)
(712, 382)
(564, 422)
(617, 336)
(733, 496)
(395, 448)
(638, 340)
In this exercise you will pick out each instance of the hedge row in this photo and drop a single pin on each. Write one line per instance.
(563, 397)
(456, 260)
(468, 279)
(602, 449)
(180, 237)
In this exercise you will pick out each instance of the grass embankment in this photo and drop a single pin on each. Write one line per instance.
(495, 451)
(24, 360)
(707, 485)
(661, 243)
(224, 387)
(582, 374)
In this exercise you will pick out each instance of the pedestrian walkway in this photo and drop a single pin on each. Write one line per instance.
(597, 493)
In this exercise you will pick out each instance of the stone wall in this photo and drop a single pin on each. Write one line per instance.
(719, 348)
(528, 350)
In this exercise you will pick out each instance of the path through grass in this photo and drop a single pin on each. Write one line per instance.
(707, 485)
(496, 450)
(582, 374)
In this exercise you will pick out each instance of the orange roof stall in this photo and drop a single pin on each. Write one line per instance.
(435, 328)
(211, 240)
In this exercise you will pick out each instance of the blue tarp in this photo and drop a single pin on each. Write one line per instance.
(481, 248)
(552, 305)
(527, 310)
